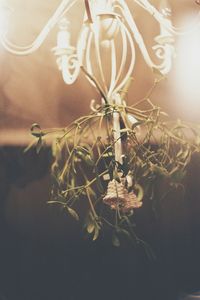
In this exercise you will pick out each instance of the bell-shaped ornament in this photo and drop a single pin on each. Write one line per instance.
(118, 197)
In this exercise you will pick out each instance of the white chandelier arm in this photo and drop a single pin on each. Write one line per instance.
(98, 56)
(113, 68)
(124, 52)
(88, 62)
(69, 63)
(132, 63)
(64, 7)
(162, 20)
(165, 52)
(88, 70)
(138, 38)
(82, 44)
(88, 55)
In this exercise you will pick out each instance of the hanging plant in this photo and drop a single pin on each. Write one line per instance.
(103, 192)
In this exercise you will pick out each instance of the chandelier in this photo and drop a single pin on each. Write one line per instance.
(106, 24)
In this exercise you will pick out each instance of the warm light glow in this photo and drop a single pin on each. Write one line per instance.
(187, 72)
(4, 15)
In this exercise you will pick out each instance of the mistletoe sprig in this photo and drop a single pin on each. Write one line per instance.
(84, 167)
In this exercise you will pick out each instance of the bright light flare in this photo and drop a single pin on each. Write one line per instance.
(4, 16)
(187, 72)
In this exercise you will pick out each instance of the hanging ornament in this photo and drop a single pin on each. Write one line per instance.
(118, 197)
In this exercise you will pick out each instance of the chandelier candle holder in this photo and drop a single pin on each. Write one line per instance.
(130, 153)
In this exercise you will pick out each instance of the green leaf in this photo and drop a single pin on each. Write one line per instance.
(56, 202)
(83, 150)
(35, 126)
(73, 213)
(108, 154)
(36, 130)
(39, 145)
(140, 191)
(73, 168)
(96, 233)
(86, 158)
(29, 146)
(124, 232)
(90, 227)
(56, 148)
(115, 240)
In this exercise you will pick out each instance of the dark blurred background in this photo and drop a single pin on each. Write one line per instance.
(44, 254)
